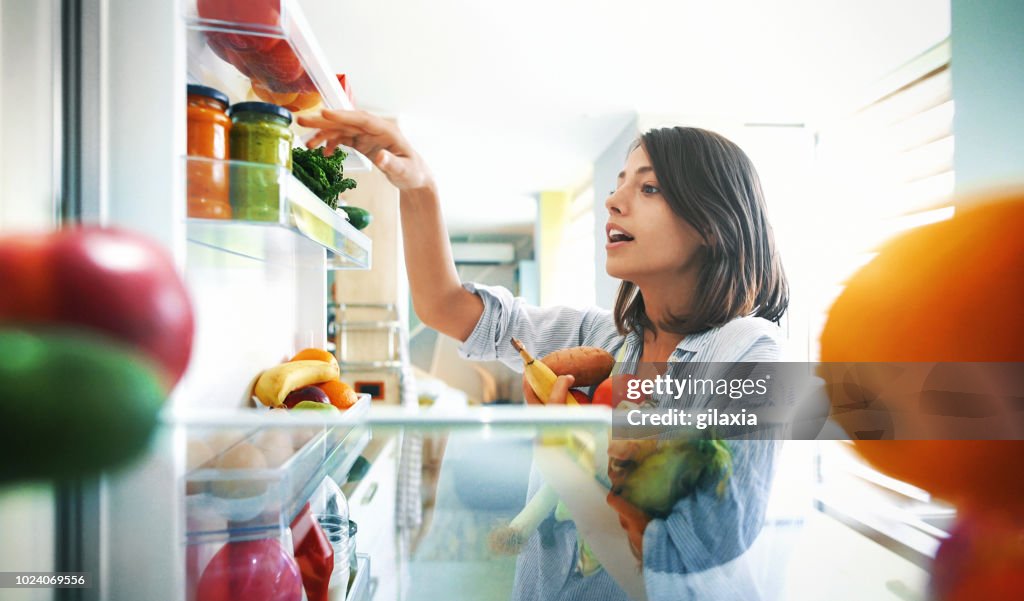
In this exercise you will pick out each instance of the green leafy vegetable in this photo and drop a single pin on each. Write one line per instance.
(323, 175)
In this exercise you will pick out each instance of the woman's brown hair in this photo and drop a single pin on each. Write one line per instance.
(711, 183)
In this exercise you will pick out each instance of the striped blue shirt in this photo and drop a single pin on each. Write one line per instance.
(697, 551)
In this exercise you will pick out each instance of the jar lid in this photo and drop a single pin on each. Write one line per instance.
(260, 107)
(209, 92)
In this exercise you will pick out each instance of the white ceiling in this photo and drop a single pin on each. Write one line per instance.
(506, 99)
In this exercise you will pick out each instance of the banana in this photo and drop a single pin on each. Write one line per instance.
(275, 383)
(539, 376)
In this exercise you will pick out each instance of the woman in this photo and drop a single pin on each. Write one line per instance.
(689, 237)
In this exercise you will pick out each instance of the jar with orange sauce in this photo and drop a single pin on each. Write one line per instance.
(208, 134)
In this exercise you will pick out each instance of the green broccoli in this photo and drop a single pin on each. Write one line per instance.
(323, 175)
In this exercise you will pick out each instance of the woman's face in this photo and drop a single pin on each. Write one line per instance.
(646, 241)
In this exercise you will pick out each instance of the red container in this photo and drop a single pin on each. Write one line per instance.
(251, 569)
(313, 553)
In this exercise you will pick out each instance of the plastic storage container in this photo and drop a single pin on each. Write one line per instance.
(208, 137)
(257, 484)
(260, 133)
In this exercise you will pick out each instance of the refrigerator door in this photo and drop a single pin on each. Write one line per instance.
(30, 190)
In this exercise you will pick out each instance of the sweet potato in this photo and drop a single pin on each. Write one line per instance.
(590, 365)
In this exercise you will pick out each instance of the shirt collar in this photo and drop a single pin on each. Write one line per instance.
(695, 342)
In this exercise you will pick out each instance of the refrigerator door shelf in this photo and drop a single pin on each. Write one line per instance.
(360, 589)
(264, 50)
(298, 214)
(237, 503)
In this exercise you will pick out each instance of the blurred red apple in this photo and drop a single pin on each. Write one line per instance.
(580, 396)
(110, 281)
(306, 393)
(265, 15)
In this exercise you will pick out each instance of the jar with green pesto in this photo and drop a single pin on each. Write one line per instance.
(260, 133)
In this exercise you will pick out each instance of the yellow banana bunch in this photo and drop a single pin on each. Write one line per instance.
(539, 376)
(275, 383)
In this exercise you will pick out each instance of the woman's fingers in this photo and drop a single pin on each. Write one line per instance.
(376, 138)
(319, 122)
(560, 391)
(320, 137)
(529, 394)
(362, 120)
(340, 119)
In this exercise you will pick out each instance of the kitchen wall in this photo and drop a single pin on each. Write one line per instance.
(438, 355)
(606, 169)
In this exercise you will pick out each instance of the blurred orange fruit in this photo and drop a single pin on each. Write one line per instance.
(341, 394)
(946, 292)
(314, 354)
(265, 94)
(303, 101)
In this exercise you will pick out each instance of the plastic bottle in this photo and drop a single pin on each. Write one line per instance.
(330, 509)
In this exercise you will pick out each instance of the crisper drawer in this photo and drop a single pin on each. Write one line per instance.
(251, 524)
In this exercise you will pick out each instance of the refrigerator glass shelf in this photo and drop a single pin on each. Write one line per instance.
(241, 503)
(289, 210)
(264, 50)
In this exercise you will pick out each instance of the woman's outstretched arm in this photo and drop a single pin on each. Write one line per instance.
(437, 293)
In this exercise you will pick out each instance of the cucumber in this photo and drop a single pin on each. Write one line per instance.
(359, 218)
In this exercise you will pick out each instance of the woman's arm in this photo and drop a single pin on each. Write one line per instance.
(437, 293)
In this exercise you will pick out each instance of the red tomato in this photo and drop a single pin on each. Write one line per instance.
(225, 47)
(313, 554)
(603, 393)
(252, 569)
(303, 84)
(281, 63)
(580, 396)
(215, 40)
(262, 13)
(612, 391)
(111, 281)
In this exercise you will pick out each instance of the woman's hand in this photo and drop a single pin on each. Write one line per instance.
(377, 138)
(559, 392)
(633, 520)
